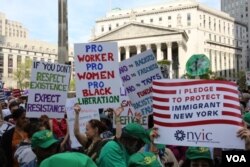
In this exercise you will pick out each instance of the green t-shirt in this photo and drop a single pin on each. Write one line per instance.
(113, 154)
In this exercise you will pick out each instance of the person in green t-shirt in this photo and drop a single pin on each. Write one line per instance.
(116, 153)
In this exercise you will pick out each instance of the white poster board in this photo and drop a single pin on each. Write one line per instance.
(97, 75)
(137, 74)
(197, 113)
(48, 90)
(128, 115)
(84, 117)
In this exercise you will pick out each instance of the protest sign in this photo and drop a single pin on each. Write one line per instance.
(85, 116)
(197, 113)
(48, 89)
(137, 74)
(248, 78)
(97, 76)
(128, 115)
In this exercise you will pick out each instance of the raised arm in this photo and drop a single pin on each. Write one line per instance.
(82, 139)
(118, 129)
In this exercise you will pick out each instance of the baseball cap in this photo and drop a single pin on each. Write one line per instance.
(145, 159)
(43, 139)
(246, 117)
(198, 153)
(67, 159)
(136, 130)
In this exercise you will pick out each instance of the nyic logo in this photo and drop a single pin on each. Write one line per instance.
(196, 137)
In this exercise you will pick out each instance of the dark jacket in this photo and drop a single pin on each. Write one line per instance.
(6, 144)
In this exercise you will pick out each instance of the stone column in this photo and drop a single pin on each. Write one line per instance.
(227, 65)
(182, 59)
(231, 65)
(169, 49)
(138, 49)
(148, 46)
(119, 54)
(222, 65)
(5, 65)
(235, 63)
(159, 55)
(127, 52)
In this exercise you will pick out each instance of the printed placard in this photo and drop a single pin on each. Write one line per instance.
(97, 76)
(197, 113)
(84, 117)
(48, 89)
(137, 74)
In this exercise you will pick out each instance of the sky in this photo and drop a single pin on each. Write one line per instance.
(40, 17)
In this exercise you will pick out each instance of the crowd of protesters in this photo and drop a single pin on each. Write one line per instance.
(45, 142)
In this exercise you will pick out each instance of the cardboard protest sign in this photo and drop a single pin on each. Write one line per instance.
(128, 115)
(97, 76)
(137, 74)
(48, 89)
(197, 113)
(85, 116)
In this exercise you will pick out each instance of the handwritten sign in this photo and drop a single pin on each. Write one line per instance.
(97, 75)
(128, 115)
(137, 74)
(85, 116)
(48, 89)
(197, 113)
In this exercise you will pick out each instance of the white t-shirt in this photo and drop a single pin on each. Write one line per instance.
(6, 112)
(4, 127)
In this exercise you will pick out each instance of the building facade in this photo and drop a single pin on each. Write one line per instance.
(16, 47)
(175, 31)
(240, 11)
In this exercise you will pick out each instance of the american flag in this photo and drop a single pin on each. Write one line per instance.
(187, 103)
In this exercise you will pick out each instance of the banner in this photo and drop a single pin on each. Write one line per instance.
(85, 116)
(137, 74)
(197, 113)
(48, 90)
(97, 76)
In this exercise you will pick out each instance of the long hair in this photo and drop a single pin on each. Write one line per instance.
(95, 123)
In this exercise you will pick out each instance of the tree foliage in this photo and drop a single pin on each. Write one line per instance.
(22, 74)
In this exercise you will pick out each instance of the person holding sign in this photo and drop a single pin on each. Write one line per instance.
(117, 152)
(92, 138)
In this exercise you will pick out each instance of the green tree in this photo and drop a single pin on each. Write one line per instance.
(72, 85)
(22, 74)
(241, 75)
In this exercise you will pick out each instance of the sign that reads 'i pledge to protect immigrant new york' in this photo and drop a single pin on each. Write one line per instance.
(48, 89)
(197, 113)
(97, 76)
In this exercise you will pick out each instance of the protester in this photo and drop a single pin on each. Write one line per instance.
(198, 156)
(13, 105)
(68, 159)
(12, 138)
(92, 136)
(4, 125)
(146, 159)
(116, 153)
(3, 160)
(24, 154)
(59, 127)
(44, 145)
